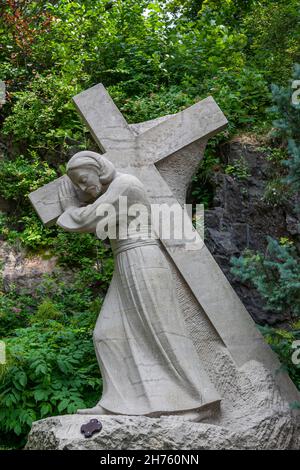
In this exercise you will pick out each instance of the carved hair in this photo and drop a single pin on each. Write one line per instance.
(86, 158)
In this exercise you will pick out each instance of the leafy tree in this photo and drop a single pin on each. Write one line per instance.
(273, 32)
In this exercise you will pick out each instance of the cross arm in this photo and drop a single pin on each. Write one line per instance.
(46, 200)
(46, 203)
(201, 120)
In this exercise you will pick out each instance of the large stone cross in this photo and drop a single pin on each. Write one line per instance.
(164, 154)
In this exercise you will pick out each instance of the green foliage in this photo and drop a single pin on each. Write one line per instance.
(276, 192)
(201, 190)
(154, 57)
(87, 253)
(51, 366)
(27, 231)
(34, 234)
(21, 176)
(44, 118)
(70, 298)
(293, 164)
(12, 316)
(47, 310)
(286, 113)
(51, 370)
(54, 298)
(273, 32)
(242, 94)
(238, 169)
(276, 275)
(77, 249)
(159, 102)
(287, 127)
(282, 342)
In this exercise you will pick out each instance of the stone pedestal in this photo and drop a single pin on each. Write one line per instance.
(169, 433)
(255, 418)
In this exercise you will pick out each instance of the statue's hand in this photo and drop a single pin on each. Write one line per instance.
(67, 195)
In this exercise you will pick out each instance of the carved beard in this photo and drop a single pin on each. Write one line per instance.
(94, 191)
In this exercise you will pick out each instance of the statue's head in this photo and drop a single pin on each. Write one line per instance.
(91, 172)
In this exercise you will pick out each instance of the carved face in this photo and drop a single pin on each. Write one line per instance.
(87, 179)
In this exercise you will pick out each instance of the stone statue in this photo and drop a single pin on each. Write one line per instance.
(147, 359)
(159, 372)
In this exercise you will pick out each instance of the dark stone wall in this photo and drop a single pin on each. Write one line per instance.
(241, 218)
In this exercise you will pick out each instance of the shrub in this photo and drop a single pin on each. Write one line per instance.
(287, 127)
(238, 169)
(12, 315)
(51, 369)
(282, 342)
(21, 176)
(273, 32)
(47, 310)
(276, 275)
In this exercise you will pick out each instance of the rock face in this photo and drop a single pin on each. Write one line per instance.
(241, 217)
(21, 271)
(256, 418)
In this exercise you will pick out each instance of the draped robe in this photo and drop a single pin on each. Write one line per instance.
(148, 362)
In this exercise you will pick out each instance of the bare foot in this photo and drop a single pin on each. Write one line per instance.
(199, 414)
(96, 410)
(194, 416)
(205, 412)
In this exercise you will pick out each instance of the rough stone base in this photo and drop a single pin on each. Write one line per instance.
(253, 415)
(136, 433)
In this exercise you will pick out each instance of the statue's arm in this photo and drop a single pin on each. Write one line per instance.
(67, 195)
(85, 219)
